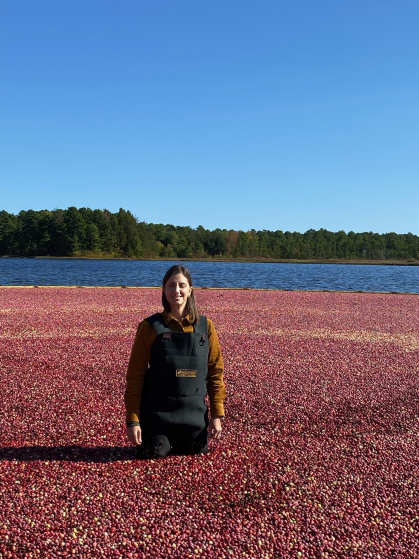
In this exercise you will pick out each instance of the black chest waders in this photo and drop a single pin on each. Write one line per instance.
(172, 403)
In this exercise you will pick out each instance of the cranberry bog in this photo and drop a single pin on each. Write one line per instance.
(320, 450)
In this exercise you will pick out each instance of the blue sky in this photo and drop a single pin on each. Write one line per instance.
(233, 114)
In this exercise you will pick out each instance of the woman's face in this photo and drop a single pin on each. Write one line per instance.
(177, 291)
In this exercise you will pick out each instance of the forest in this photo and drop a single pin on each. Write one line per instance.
(100, 233)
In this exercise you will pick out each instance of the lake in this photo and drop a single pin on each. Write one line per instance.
(340, 277)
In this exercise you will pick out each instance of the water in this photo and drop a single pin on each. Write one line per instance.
(340, 277)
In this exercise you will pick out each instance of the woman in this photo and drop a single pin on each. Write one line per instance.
(175, 360)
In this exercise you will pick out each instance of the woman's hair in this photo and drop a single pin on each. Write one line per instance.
(190, 308)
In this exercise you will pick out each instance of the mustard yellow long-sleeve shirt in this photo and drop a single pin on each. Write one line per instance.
(140, 357)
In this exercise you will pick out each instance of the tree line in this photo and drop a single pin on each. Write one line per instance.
(86, 232)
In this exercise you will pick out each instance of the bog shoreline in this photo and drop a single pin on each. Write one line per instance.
(206, 289)
(345, 261)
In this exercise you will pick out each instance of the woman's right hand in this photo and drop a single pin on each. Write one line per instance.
(134, 434)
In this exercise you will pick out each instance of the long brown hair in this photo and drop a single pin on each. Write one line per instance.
(190, 308)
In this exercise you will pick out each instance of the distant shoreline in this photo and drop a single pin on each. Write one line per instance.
(346, 261)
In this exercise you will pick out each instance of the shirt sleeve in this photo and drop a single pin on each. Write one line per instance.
(215, 380)
(137, 367)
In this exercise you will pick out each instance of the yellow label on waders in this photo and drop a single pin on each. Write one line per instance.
(186, 372)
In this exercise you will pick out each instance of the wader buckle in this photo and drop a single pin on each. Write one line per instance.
(202, 340)
(167, 336)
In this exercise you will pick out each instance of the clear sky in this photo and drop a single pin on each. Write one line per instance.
(236, 114)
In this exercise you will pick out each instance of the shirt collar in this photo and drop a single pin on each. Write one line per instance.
(167, 316)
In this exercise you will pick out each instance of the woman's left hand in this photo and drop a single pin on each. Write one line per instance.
(215, 428)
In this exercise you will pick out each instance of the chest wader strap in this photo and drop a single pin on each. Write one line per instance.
(160, 327)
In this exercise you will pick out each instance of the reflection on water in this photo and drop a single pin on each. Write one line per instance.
(30, 271)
